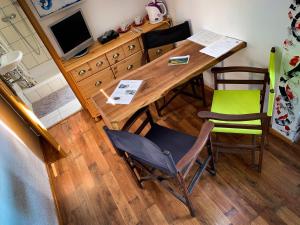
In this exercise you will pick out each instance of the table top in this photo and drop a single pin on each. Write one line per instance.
(158, 79)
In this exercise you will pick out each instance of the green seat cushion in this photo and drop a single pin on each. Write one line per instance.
(236, 102)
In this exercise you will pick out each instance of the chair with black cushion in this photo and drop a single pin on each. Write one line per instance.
(164, 155)
(158, 38)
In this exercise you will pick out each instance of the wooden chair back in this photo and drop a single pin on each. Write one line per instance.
(243, 70)
(159, 38)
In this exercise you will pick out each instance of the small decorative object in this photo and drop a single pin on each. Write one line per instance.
(156, 10)
(124, 28)
(138, 21)
(108, 36)
(47, 7)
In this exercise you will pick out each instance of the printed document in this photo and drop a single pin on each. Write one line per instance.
(124, 92)
(205, 37)
(220, 47)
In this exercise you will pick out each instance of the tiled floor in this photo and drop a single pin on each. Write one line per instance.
(56, 106)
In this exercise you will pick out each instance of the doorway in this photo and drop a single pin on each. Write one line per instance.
(37, 81)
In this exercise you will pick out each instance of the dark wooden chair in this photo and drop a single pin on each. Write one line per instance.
(158, 38)
(164, 155)
(242, 111)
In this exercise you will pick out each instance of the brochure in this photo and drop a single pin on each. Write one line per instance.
(205, 37)
(124, 92)
(179, 60)
(220, 47)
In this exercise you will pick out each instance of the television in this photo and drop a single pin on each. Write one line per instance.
(72, 35)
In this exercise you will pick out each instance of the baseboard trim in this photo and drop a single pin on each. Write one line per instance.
(278, 135)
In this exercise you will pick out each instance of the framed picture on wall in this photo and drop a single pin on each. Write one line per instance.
(48, 7)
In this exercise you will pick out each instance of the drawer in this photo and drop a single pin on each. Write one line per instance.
(159, 51)
(98, 64)
(81, 72)
(127, 65)
(115, 55)
(131, 47)
(94, 83)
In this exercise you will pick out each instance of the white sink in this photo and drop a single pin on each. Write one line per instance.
(10, 61)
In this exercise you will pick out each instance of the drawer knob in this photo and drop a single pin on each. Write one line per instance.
(131, 47)
(81, 72)
(159, 51)
(98, 83)
(129, 67)
(98, 64)
(115, 56)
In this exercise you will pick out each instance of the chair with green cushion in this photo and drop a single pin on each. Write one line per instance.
(242, 111)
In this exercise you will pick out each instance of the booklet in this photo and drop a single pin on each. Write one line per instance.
(124, 92)
(220, 47)
(205, 37)
(179, 60)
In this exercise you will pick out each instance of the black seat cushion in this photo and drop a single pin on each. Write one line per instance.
(177, 143)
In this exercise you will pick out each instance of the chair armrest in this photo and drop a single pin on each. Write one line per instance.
(201, 141)
(239, 69)
(230, 117)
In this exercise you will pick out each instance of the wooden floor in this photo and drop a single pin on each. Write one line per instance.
(94, 186)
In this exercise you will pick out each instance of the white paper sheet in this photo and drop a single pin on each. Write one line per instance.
(124, 92)
(220, 47)
(205, 37)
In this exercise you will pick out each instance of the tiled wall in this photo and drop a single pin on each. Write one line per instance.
(15, 41)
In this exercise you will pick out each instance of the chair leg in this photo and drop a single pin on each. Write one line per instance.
(201, 83)
(186, 195)
(215, 149)
(261, 153)
(254, 150)
(158, 109)
(212, 160)
(133, 171)
(193, 83)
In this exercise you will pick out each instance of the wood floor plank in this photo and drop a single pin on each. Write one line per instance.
(120, 200)
(288, 216)
(156, 216)
(259, 221)
(94, 186)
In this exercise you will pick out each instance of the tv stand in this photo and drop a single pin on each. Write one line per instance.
(82, 53)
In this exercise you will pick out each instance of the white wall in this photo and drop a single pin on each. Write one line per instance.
(262, 24)
(25, 193)
(101, 15)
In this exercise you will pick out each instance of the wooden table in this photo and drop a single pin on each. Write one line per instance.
(158, 79)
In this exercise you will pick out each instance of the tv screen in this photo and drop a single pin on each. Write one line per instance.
(72, 34)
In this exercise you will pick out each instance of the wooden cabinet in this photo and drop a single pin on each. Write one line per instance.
(115, 55)
(94, 83)
(129, 64)
(98, 64)
(159, 51)
(105, 63)
(81, 72)
(131, 47)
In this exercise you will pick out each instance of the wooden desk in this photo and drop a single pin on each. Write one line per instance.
(158, 79)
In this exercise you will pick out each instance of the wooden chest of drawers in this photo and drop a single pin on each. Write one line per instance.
(105, 63)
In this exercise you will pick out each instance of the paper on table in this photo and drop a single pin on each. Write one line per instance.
(124, 92)
(220, 47)
(205, 37)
